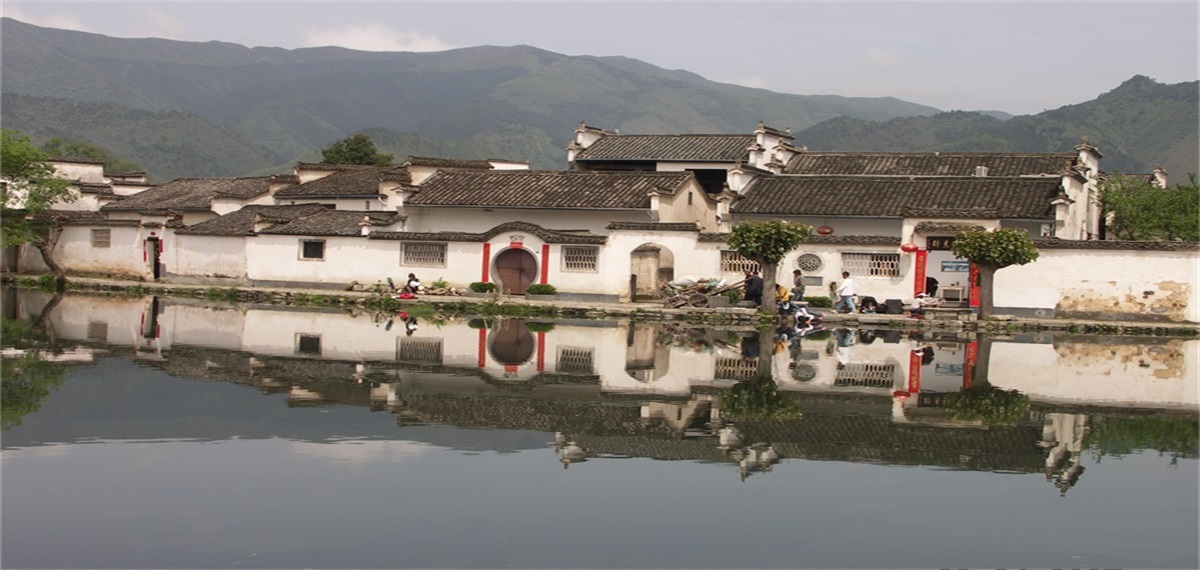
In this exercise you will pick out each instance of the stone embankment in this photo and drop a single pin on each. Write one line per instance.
(948, 320)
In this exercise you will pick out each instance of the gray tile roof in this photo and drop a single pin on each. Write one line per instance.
(927, 163)
(346, 182)
(546, 189)
(546, 235)
(95, 188)
(326, 222)
(191, 194)
(714, 237)
(710, 148)
(655, 227)
(975, 197)
(1056, 243)
(448, 163)
(241, 222)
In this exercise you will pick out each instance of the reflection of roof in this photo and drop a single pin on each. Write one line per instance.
(927, 163)
(191, 194)
(1006, 198)
(547, 189)
(711, 148)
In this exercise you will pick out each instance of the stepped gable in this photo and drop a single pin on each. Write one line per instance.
(711, 148)
(346, 181)
(547, 189)
(191, 194)
(326, 222)
(1006, 198)
(928, 164)
(242, 222)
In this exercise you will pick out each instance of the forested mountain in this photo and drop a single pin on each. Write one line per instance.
(221, 109)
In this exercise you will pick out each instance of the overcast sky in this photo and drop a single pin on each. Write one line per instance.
(1017, 57)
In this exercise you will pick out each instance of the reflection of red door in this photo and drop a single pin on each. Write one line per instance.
(516, 269)
(512, 343)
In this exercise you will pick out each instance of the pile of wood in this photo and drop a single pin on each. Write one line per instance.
(689, 293)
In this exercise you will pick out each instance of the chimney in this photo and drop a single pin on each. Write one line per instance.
(981, 171)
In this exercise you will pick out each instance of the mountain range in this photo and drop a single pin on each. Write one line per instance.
(191, 109)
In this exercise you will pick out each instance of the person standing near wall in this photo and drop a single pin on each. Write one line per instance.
(797, 286)
(754, 287)
(845, 293)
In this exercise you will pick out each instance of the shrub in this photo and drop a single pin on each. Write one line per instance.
(541, 289)
(440, 284)
(535, 326)
(734, 295)
(482, 287)
(819, 302)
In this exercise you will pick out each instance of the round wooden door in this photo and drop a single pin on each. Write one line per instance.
(516, 269)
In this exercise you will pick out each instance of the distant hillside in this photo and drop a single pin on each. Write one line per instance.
(216, 109)
(1138, 126)
(292, 102)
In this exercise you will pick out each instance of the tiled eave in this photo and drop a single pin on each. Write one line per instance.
(546, 235)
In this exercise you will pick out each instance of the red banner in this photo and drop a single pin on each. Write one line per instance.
(974, 289)
(969, 363)
(914, 372)
(919, 272)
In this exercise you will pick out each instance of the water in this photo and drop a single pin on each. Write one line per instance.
(180, 434)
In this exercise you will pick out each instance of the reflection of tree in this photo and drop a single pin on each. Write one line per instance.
(27, 377)
(1121, 435)
(758, 399)
(992, 406)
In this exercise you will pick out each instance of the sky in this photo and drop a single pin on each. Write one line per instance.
(1017, 57)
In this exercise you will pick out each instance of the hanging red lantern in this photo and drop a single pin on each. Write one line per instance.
(909, 247)
(825, 230)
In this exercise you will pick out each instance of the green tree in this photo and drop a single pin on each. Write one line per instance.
(767, 243)
(72, 148)
(991, 252)
(1136, 209)
(29, 190)
(358, 149)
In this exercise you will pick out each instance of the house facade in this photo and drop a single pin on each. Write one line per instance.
(634, 211)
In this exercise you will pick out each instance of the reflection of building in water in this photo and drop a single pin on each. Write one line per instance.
(1062, 436)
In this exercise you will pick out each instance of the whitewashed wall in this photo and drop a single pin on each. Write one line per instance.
(1103, 283)
(74, 252)
(206, 259)
(273, 259)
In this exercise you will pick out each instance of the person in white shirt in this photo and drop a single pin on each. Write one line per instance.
(846, 294)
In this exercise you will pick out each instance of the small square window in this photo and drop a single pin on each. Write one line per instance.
(101, 238)
(313, 249)
(308, 344)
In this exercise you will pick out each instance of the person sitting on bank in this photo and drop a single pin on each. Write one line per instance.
(413, 285)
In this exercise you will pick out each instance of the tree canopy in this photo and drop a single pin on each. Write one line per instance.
(72, 148)
(1136, 209)
(28, 190)
(992, 251)
(357, 149)
(767, 243)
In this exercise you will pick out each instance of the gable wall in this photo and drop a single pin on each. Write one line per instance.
(75, 254)
(206, 259)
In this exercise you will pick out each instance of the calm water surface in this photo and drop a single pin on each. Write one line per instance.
(170, 433)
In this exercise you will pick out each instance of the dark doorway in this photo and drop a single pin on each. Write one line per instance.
(516, 269)
(154, 251)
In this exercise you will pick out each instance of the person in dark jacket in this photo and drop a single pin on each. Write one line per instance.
(754, 287)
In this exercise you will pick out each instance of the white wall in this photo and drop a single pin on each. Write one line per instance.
(74, 252)
(277, 258)
(1095, 283)
(206, 257)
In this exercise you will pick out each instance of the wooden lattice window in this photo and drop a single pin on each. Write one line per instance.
(411, 349)
(101, 237)
(871, 264)
(574, 360)
(422, 254)
(580, 258)
(733, 262)
(729, 368)
(875, 375)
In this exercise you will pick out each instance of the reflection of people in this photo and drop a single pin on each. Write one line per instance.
(845, 339)
(846, 293)
(783, 299)
(754, 287)
(410, 326)
(750, 348)
(412, 285)
(797, 286)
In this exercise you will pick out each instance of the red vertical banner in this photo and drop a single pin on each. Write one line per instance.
(482, 350)
(919, 272)
(969, 361)
(974, 279)
(545, 262)
(914, 372)
(144, 251)
(541, 352)
(487, 254)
